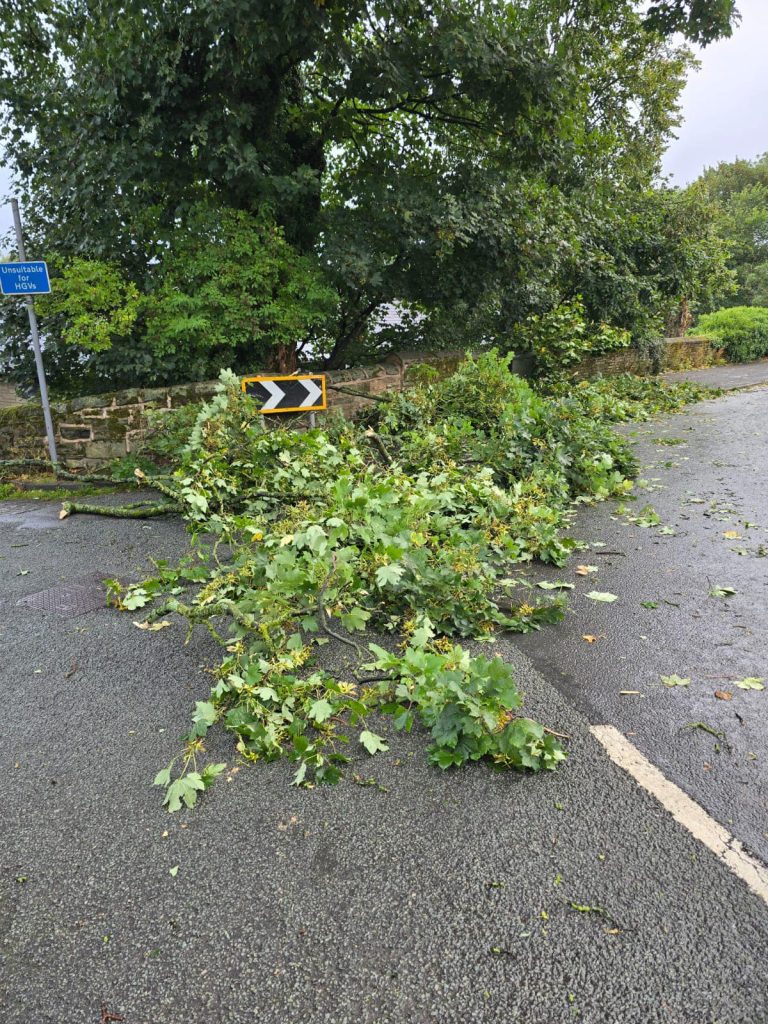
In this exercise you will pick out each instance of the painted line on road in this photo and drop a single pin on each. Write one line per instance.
(683, 809)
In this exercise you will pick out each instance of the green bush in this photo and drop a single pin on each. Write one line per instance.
(742, 331)
(168, 432)
(563, 337)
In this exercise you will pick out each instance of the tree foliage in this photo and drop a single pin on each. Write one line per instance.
(739, 194)
(460, 156)
(96, 307)
(232, 292)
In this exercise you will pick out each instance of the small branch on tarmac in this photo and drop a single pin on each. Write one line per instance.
(560, 735)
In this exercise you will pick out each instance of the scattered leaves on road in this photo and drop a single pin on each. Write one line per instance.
(750, 683)
(675, 680)
(649, 604)
(647, 517)
(722, 592)
(173, 871)
(585, 570)
(153, 627)
(732, 535)
(590, 638)
(600, 595)
(556, 585)
(723, 695)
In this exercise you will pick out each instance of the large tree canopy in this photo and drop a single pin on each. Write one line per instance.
(739, 194)
(462, 156)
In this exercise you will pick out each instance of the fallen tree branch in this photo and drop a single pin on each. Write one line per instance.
(135, 510)
(324, 619)
(372, 436)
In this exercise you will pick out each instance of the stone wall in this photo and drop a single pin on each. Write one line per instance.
(91, 431)
(8, 396)
(679, 354)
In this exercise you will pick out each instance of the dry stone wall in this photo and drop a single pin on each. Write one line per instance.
(95, 429)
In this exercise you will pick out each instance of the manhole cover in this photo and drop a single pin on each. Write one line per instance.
(86, 594)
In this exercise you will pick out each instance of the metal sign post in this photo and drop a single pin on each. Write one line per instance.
(34, 282)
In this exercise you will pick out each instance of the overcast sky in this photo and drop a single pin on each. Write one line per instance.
(725, 105)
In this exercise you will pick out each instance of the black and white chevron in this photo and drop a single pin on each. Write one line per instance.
(287, 394)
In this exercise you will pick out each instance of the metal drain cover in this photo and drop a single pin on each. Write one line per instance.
(85, 594)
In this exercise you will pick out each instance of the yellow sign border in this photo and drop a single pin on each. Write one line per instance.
(290, 376)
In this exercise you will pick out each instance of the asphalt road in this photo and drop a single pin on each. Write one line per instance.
(440, 897)
(707, 479)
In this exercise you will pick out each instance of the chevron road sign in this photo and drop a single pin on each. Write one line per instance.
(288, 394)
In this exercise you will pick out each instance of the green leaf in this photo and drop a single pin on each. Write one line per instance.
(389, 574)
(649, 604)
(210, 773)
(135, 599)
(750, 683)
(321, 710)
(184, 789)
(193, 783)
(267, 693)
(445, 758)
(675, 680)
(163, 777)
(544, 585)
(173, 871)
(722, 592)
(355, 619)
(373, 743)
(203, 716)
(598, 595)
(423, 634)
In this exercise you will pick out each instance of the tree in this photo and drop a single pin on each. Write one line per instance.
(739, 191)
(437, 153)
(233, 292)
(647, 256)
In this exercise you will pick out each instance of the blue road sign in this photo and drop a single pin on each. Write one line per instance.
(27, 278)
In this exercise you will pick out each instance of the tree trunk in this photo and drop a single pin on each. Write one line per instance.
(284, 358)
(348, 335)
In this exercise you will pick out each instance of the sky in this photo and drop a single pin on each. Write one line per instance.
(725, 106)
(725, 102)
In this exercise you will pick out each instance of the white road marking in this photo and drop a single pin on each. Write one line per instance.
(276, 394)
(314, 393)
(683, 809)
